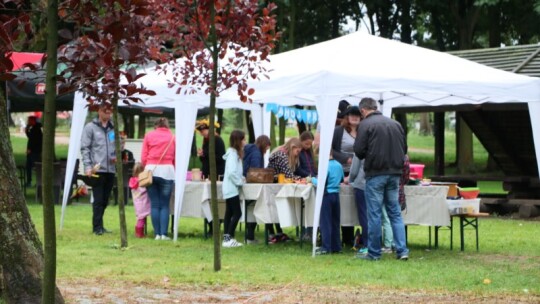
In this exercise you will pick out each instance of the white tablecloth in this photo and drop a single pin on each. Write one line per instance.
(347, 201)
(196, 202)
(426, 205)
(288, 203)
(281, 203)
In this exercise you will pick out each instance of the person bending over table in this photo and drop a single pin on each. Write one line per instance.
(254, 158)
(284, 160)
(306, 168)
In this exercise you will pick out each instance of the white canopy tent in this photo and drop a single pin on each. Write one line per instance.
(351, 67)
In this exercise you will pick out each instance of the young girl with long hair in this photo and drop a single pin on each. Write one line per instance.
(233, 179)
(140, 200)
(284, 160)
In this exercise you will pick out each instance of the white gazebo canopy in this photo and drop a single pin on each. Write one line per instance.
(350, 67)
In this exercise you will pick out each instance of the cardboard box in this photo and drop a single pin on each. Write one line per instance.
(462, 206)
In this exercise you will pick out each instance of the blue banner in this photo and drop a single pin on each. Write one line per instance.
(306, 116)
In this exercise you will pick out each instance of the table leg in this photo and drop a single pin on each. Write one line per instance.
(429, 244)
(476, 228)
(245, 221)
(461, 232)
(451, 233)
(301, 219)
(437, 236)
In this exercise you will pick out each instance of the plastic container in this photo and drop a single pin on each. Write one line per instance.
(469, 193)
(417, 170)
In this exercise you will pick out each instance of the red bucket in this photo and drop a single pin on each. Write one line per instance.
(417, 171)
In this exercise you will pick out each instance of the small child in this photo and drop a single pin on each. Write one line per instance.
(330, 210)
(140, 200)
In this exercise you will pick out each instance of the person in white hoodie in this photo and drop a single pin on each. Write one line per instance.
(233, 179)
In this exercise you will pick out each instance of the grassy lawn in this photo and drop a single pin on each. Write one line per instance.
(508, 263)
(508, 257)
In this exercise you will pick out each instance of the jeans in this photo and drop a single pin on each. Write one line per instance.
(160, 195)
(101, 189)
(361, 207)
(388, 236)
(382, 192)
(330, 222)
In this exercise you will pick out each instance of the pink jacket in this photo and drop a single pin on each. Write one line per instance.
(154, 144)
(141, 202)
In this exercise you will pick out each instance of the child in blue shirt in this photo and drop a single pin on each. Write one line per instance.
(330, 210)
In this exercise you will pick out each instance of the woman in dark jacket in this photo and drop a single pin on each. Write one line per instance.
(254, 158)
(204, 154)
(254, 153)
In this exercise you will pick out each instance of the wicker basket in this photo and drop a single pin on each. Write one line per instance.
(260, 175)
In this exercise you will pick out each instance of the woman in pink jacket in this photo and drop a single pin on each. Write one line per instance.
(157, 154)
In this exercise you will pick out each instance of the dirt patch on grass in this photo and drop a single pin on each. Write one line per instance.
(95, 291)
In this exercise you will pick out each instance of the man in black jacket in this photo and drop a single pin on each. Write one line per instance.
(381, 142)
(33, 147)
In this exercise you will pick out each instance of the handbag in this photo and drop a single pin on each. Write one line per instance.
(146, 177)
(260, 175)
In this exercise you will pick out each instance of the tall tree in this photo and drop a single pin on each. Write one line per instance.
(222, 43)
(21, 256)
(49, 119)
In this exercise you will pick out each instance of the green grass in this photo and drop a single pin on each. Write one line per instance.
(508, 256)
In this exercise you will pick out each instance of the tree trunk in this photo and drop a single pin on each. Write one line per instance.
(216, 233)
(21, 255)
(50, 293)
(142, 126)
(464, 156)
(119, 176)
(282, 125)
(425, 124)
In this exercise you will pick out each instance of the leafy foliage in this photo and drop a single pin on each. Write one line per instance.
(244, 34)
(108, 43)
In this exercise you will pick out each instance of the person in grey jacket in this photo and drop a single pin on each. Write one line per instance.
(99, 158)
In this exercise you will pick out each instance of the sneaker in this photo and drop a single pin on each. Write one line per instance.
(284, 238)
(158, 237)
(366, 257)
(321, 251)
(165, 238)
(231, 243)
(274, 240)
(253, 242)
(404, 257)
(225, 243)
(386, 250)
(98, 232)
(306, 237)
(362, 250)
(105, 230)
